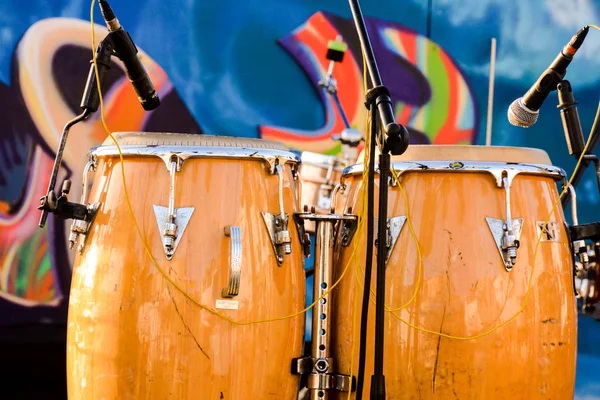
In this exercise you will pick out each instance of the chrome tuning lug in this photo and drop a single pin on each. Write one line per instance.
(506, 233)
(348, 229)
(81, 227)
(302, 234)
(580, 249)
(172, 221)
(277, 224)
(277, 227)
(509, 245)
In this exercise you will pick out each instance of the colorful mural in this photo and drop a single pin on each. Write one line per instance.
(50, 66)
(250, 69)
(432, 96)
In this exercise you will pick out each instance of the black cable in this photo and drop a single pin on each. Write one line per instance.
(369, 257)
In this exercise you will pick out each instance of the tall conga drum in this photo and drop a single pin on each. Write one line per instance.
(216, 214)
(478, 214)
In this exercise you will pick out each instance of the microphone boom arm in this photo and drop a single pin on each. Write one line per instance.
(60, 206)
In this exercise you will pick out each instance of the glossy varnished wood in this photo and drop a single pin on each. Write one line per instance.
(131, 335)
(466, 291)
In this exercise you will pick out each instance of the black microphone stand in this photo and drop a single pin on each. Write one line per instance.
(395, 141)
(574, 135)
(61, 207)
(575, 144)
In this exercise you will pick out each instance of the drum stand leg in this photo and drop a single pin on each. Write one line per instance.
(319, 366)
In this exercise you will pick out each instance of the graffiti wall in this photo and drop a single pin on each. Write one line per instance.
(251, 69)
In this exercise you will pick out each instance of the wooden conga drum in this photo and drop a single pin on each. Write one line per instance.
(457, 198)
(133, 335)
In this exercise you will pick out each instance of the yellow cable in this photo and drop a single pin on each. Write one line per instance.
(139, 232)
(417, 244)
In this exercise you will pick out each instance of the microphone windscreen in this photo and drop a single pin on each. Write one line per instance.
(520, 115)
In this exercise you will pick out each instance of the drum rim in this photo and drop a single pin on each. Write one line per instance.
(166, 152)
(493, 167)
(323, 161)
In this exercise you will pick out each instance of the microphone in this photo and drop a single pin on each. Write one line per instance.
(125, 50)
(524, 111)
(570, 119)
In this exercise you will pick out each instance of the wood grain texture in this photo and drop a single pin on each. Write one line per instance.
(465, 290)
(132, 335)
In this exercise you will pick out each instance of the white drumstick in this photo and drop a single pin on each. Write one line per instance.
(488, 133)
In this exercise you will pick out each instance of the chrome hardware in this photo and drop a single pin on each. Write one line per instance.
(348, 229)
(349, 137)
(235, 260)
(323, 275)
(503, 240)
(339, 188)
(278, 232)
(509, 242)
(580, 249)
(319, 366)
(282, 236)
(272, 157)
(506, 233)
(277, 224)
(171, 221)
(181, 217)
(302, 234)
(587, 281)
(394, 227)
(498, 170)
(585, 274)
(80, 228)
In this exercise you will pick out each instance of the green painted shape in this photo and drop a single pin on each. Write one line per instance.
(437, 109)
(337, 46)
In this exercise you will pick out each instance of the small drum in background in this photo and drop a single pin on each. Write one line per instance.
(478, 213)
(217, 215)
(319, 175)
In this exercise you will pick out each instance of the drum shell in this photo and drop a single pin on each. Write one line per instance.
(465, 291)
(132, 335)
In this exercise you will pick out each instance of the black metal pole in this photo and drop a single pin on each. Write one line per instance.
(397, 136)
(378, 379)
(369, 256)
(590, 151)
(395, 142)
(48, 202)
